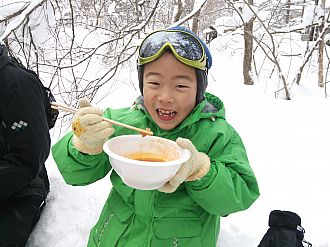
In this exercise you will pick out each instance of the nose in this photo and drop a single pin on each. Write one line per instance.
(166, 95)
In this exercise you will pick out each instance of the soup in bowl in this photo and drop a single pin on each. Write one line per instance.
(145, 163)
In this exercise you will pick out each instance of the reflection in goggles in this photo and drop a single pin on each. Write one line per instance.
(184, 46)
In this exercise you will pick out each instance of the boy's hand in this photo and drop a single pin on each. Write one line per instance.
(195, 168)
(90, 131)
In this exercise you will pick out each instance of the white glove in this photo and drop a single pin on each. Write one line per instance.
(90, 131)
(195, 168)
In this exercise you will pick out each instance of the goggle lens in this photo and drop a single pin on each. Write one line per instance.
(185, 45)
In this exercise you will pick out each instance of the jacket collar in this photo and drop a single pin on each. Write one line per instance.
(210, 108)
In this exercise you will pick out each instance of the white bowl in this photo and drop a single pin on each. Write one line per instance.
(123, 152)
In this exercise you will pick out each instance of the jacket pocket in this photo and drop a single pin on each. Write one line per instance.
(113, 222)
(175, 205)
(177, 232)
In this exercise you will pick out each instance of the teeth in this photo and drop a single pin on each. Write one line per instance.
(166, 112)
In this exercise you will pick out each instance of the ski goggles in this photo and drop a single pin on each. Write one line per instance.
(184, 46)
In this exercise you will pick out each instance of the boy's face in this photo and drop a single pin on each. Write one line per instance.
(169, 90)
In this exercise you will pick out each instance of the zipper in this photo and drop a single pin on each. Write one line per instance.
(152, 205)
(175, 242)
(102, 230)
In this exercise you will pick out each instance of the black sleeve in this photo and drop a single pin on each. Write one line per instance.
(24, 135)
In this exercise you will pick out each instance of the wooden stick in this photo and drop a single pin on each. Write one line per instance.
(65, 108)
(60, 107)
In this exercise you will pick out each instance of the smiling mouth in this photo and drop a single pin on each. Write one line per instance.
(166, 115)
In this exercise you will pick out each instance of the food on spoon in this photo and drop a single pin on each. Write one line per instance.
(145, 134)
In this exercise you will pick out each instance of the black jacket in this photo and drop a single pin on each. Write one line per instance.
(24, 134)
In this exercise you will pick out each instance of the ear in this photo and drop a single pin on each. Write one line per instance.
(140, 70)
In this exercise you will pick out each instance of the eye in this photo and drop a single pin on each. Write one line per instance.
(182, 86)
(153, 84)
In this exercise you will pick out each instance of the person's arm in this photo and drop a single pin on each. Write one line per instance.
(79, 154)
(78, 168)
(230, 185)
(24, 133)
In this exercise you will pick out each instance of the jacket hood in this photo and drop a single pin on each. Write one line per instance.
(4, 59)
(210, 108)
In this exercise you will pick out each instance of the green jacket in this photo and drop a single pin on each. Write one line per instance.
(189, 217)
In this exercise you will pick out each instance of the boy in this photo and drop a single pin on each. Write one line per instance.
(217, 180)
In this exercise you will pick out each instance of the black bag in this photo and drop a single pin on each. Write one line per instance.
(285, 230)
(51, 113)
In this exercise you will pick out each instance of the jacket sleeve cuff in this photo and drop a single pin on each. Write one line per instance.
(205, 181)
(81, 156)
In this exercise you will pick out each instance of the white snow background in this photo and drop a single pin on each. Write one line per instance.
(288, 144)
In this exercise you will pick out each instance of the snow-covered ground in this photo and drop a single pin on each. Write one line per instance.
(287, 142)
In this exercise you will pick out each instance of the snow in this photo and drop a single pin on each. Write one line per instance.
(312, 15)
(20, 19)
(7, 7)
(287, 144)
(39, 20)
(247, 12)
(112, 8)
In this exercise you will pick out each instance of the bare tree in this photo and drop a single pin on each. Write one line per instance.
(90, 40)
(179, 10)
(195, 22)
(310, 53)
(83, 37)
(270, 50)
(69, 62)
(321, 50)
(287, 16)
(248, 48)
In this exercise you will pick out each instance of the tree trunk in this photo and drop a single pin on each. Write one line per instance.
(321, 52)
(179, 11)
(303, 9)
(320, 61)
(287, 16)
(194, 27)
(248, 49)
(138, 14)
